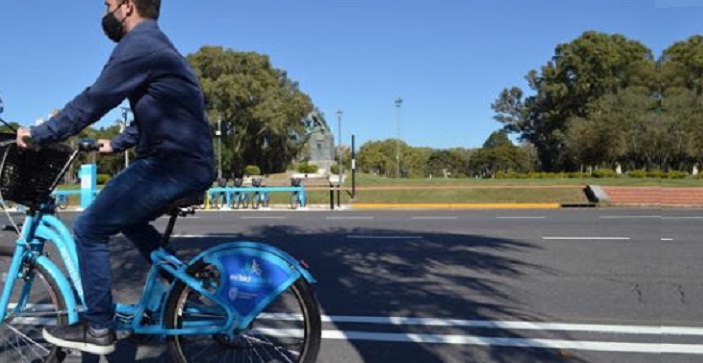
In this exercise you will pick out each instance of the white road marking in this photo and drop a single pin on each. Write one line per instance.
(667, 239)
(456, 339)
(211, 235)
(586, 238)
(351, 217)
(629, 217)
(382, 237)
(653, 348)
(498, 324)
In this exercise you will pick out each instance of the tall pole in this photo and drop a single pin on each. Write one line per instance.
(218, 133)
(353, 165)
(339, 157)
(123, 126)
(398, 103)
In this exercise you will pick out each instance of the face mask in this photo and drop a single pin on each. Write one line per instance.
(113, 27)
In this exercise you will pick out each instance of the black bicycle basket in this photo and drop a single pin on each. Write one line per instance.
(27, 176)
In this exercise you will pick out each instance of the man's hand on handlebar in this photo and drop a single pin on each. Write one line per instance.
(22, 135)
(105, 147)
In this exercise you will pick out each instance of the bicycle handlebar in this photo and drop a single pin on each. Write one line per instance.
(88, 145)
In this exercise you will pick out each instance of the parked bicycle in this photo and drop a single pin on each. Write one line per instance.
(296, 197)
(240, 301)
(261, 197)
(62, 201)
(219, 199)
(239, 199)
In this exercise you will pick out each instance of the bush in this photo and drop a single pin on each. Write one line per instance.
(577, 175)
(675, 174)
(102, 179)
(655, 174)
(637, 173)
(334, 169)
(502, 175)
(308, 168)
(604, 173)
(252, 170)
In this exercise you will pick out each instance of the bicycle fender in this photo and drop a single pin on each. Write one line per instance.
(63, 285)
(258, 247)
(252, 275)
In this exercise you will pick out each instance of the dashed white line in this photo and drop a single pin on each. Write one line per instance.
(382, 237)
(587, 238)
(213, 235)
(667, 239)
(630, 217)
(263, 217)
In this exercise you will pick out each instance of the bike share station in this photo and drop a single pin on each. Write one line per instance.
(88, 177)
(234, 197)
(239, 196)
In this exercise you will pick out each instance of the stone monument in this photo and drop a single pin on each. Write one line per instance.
(320, 142)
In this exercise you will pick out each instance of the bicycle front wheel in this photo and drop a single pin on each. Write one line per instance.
(288, 330)
(21, 338)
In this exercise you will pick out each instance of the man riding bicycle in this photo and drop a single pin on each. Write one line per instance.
(173, 144)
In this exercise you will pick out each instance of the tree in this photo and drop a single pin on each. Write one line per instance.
(681, 104)
(379, 157)
(581, 72)
(261, 109)
(498, 154)
(452, 161)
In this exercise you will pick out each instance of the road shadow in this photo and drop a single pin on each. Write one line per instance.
(435, 275)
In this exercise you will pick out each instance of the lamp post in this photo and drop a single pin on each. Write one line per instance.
(339, 156)
(398, 103)
(218, 133)
(123, 127)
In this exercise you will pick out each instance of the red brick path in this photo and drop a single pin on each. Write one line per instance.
(655, 196)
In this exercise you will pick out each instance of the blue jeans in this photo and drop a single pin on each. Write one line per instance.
(127, 204)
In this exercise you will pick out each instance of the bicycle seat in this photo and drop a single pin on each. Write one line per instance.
(186, 202)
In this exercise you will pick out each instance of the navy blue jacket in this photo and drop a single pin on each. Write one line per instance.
(165, 97)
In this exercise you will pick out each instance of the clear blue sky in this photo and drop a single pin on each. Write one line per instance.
(447, 59)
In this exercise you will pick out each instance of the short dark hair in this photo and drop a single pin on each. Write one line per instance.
(148, 8)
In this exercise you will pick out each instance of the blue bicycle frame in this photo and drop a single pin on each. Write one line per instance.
(252, 275)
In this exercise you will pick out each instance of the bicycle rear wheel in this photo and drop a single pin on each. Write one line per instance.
(21, 338)
(288, 330)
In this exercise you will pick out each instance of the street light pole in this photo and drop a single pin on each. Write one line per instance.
(218, 133)
(339, 157)
(398, 103)
(123, 127)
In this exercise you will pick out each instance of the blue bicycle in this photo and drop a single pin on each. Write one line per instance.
(237, 301)
(238, 198)
(261, 198)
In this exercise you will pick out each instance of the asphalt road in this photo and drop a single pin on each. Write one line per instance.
(508, 286)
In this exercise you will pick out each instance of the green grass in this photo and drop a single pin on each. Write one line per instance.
(569, 194)
(370, 180)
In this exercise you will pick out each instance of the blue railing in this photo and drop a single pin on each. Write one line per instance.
(252, 192)
(297, 194)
